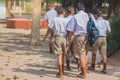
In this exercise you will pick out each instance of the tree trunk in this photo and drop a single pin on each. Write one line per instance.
(114, 7)
(8, 7)
(110, 12)
(47, 5)
(35, 33)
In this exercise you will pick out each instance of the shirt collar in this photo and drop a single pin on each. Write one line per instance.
(61, 16)
(81, 11)
(99, 18)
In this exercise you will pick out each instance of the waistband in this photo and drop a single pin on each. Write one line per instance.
(60, 36)
(80, 35)
(102, 36)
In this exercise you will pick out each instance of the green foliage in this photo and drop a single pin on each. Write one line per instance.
(29, 9)
(114, 37)
(51, 1)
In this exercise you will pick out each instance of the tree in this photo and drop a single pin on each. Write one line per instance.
(35, 33)
(8, 5)
(114, 6)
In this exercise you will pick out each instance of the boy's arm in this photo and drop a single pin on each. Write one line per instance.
(69, 34)
(108, 28)
(51, 26)
(47, 33)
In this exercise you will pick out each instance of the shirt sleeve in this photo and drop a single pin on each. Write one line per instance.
(52, 24)
(71, 25)
(46, 17)
(108, 26)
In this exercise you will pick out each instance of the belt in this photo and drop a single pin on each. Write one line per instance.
(59, 36)
(79, 35)
(102, 36)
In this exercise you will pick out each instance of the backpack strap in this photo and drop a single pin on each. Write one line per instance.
(89, 15)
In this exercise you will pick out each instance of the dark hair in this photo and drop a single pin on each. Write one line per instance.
(70, 9)
(80, 6)
(60, 10)
(98, 12)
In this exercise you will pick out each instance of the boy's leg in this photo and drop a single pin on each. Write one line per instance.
(94, 52)
(67, 61)
(92, 67)
(103, 52)
(50, 45)
(80, 51)
(60, 65)
(50, 41)
(83, 67)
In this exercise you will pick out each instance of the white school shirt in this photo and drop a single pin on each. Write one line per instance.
(103, 26)
(78, 23)
(59, 26)
(50, 15)
(69, 18)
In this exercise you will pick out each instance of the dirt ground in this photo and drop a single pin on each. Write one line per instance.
(20, 61)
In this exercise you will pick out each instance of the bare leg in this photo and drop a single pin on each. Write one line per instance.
(83, 68)
(60, 65)
(104, 58)
(68, 61)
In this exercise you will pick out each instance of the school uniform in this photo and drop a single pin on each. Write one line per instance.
(101, 43)
(59, 27)
(71, 46)
(78, 25)
(50, 15)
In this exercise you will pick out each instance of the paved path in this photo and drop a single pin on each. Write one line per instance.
(20, 61)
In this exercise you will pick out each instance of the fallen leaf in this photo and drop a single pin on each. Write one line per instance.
(42, 69)
(15, 77)
(6, 64)
(1, 68)
(7, 79)
(41, 76)
(2, 75)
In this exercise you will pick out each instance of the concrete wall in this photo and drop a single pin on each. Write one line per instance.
(2, 9)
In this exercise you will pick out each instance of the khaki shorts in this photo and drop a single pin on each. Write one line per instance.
(59, 45)
(101, 45)
(79, 46)
(51, 35)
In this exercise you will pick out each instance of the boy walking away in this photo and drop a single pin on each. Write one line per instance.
(69, 14)
(101, 44)
(49, 16)
(59, 45)
(78, 26)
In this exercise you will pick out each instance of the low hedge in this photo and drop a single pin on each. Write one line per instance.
(113, 39)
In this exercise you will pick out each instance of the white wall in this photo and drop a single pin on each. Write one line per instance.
(2, 9)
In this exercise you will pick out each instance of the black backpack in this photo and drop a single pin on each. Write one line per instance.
(92, 32)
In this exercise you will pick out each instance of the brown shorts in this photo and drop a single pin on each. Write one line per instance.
(101, 45)
(59, 45)
(79, 46)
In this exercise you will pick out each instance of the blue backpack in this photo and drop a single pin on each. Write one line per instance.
(92, 32)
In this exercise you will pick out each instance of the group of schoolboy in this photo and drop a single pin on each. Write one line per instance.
(69, 31)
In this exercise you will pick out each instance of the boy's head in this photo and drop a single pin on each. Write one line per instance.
(97, 13)
(80, 6)
(60, 10)
(70, 10)
(52, 6)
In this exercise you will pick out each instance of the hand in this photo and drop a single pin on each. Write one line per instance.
(43, 39)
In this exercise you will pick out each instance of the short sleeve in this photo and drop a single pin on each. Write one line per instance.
(52, 24)
(108, 26)
(46, 17)
(71, 25)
